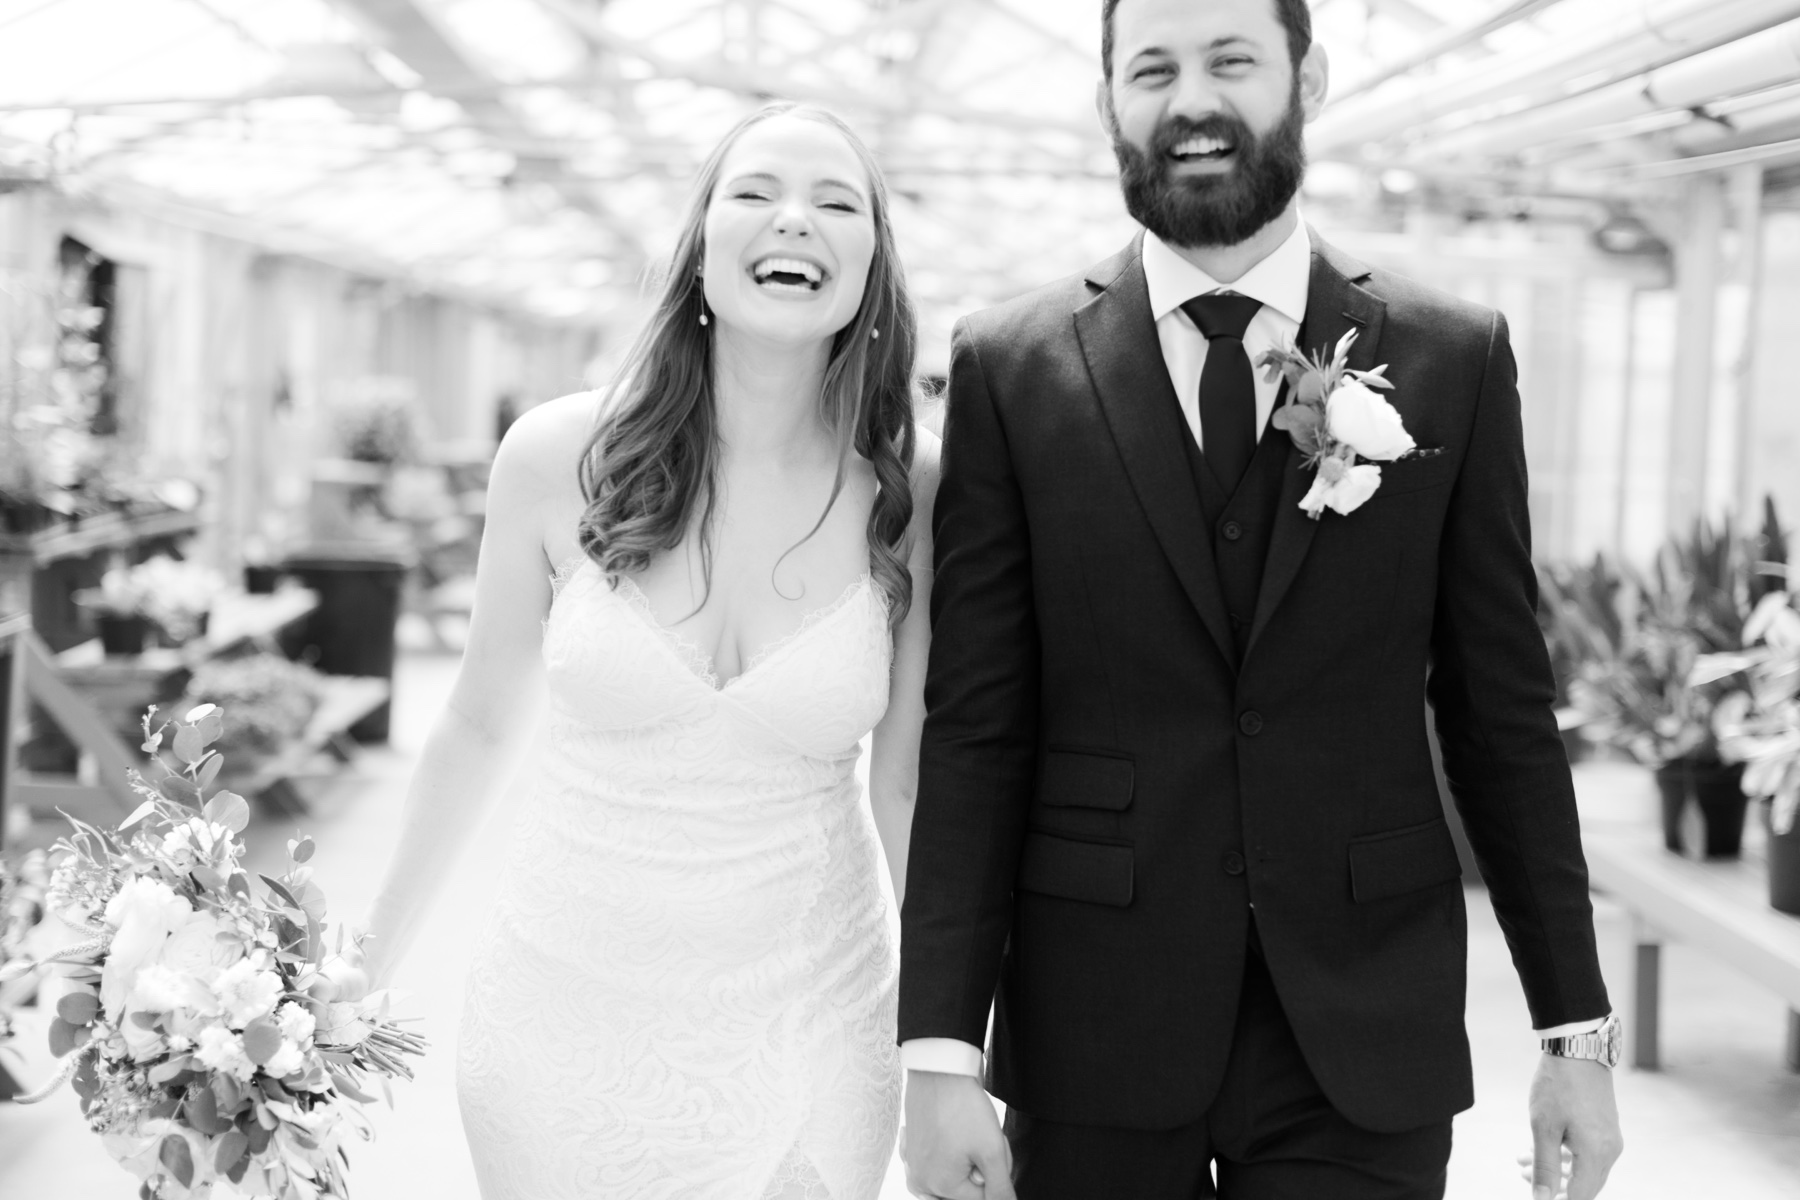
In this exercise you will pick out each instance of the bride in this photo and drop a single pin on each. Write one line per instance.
(717, 570)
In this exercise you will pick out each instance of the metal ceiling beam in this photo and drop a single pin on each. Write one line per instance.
(762, 82)
(411, 35)
(1408, 13)
(1509, 13)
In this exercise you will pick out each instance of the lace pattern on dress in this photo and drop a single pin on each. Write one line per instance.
(695, 655)
(807, 623)
(690, 651)
(559, 579)
(685, 987)
(796, 1179)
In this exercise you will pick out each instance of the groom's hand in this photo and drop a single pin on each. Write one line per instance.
(1572, 1106)
(952, 1144)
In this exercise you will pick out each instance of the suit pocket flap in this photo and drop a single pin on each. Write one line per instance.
(1078, 779)
(1074, 870)
(1402, 861)
(1416, 474)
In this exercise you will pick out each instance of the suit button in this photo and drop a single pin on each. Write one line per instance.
(1234, 863)
(1250, 723)
(1232, 531)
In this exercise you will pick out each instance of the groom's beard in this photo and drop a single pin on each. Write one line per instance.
(1213, 210)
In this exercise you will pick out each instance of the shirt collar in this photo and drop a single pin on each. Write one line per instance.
(1280, 281)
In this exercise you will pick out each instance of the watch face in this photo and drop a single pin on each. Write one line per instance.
(1614, 1035)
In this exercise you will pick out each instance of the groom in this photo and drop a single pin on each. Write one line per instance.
(1177, 821)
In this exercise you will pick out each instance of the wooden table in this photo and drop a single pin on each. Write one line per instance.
(93, 698)
(1720, 908)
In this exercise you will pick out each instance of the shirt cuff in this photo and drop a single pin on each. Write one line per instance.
(1572, 1029)
(947, 1056)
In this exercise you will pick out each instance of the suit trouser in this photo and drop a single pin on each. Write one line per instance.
(1270, 1135)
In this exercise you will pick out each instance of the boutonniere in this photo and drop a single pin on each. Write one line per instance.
(1340, 422)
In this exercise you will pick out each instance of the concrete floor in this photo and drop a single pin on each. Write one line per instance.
(1722, 1120)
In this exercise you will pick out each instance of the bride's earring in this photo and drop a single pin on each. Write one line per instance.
(704, 320)
(875, 333)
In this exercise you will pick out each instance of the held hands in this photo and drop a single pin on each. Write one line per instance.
(952, 1144)
(1574, 1129)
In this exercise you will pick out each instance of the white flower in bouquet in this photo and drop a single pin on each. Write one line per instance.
(1366, 423)
(141, 916)
(248, 989)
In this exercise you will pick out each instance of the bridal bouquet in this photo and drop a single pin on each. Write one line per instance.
(1339, 422)
(194, 1029)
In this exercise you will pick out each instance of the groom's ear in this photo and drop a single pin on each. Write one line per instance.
(1315, 80)
(1103, 105)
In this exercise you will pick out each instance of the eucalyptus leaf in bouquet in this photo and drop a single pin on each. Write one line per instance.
(198, 1027)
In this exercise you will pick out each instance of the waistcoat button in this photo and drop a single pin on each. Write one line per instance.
(1232, 531)
(1234, 863)
(1251, 723)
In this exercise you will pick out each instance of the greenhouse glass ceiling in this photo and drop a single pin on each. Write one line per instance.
(535, 152)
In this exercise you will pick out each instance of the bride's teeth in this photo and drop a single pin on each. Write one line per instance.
(788, 266)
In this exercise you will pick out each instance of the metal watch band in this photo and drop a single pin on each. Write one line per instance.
(1601, 1046)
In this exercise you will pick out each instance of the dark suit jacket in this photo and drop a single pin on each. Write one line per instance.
(1102, 795)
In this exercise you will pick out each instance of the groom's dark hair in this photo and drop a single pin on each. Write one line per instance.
(1295, 15)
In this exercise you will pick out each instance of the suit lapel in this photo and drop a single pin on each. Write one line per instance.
(1124, 358)
(1335, 304)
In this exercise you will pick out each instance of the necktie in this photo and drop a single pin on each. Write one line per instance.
(1227, 385)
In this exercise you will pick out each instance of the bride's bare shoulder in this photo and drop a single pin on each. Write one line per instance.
(543, 447)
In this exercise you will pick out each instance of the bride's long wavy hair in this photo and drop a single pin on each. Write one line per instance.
(652, 461)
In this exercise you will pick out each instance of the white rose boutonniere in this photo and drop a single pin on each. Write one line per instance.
(1338, 419)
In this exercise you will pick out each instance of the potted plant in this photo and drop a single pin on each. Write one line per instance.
(378, 422)
(161, 593)
(1637, 638)
(179, 595)
(267, 700)
(1572, 600)
(119, 612)
(1759, 722)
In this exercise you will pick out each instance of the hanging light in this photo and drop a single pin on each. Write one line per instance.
(1625, 233)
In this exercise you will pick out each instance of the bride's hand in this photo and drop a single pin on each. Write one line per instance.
(343, 977)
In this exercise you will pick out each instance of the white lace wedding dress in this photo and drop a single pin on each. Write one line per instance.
(687, 987)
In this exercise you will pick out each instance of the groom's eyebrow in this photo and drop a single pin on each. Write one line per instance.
(1218, 43)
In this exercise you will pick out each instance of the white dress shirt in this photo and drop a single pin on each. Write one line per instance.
(1281, 282)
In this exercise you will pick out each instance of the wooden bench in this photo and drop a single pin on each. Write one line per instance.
(93, 698)
(1719, 908)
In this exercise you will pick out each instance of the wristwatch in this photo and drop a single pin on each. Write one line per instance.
(1603, 1046)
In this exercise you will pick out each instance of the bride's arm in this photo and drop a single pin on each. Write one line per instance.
(478, 738)
(894, 749)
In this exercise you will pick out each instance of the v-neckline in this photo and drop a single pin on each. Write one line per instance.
(701, 666)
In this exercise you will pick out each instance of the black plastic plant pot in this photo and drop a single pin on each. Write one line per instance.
(122, 635)
(1784, 867)
(1710, 791)
(259, 580)
(351, 632)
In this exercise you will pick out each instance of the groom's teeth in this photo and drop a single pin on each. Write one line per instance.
(1197, 146)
